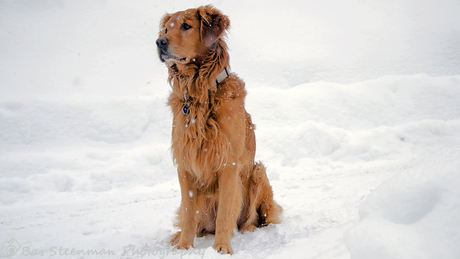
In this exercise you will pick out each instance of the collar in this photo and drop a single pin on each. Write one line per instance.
(222, 75)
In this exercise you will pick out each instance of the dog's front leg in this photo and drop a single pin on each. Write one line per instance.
(188, 202)
(228, 210)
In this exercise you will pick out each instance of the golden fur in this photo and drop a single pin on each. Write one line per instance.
(213, 146)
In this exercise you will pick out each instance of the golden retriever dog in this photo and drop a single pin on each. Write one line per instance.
(213, 141)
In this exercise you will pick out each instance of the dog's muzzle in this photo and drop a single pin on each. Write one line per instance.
(162, 44)
(164, 54)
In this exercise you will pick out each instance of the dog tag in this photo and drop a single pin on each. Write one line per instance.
(185, 109)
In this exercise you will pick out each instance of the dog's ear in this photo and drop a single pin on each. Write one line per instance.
(213, 24)
(163, 22)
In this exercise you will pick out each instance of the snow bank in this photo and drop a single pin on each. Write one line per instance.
(385, 119)
(415, 214)
(49, 147)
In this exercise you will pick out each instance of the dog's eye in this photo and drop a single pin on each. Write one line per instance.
(185, 26)
(166, 30)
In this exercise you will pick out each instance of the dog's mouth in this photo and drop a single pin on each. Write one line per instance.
(165, 56)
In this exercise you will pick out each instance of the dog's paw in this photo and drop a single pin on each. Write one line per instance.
(182, 246)
(249, 228)
(174, 239)
(223, 248)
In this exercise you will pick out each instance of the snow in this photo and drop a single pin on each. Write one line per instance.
(417, 210)
(356, 105)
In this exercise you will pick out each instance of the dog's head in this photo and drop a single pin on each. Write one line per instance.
(186, 37)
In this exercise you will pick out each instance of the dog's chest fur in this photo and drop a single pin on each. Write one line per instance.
(199, 140)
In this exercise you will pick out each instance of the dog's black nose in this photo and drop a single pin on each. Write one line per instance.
(162, 42)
